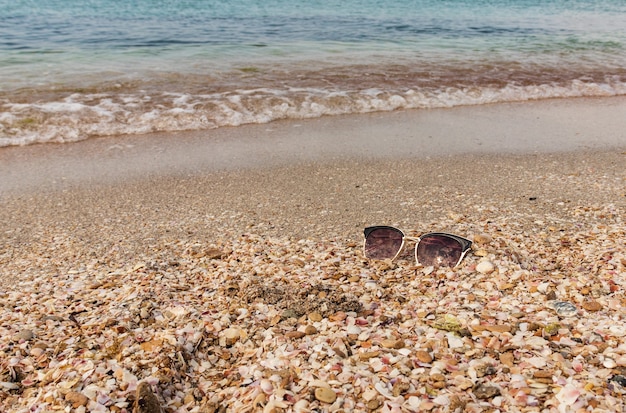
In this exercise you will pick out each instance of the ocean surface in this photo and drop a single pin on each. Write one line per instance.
(71, 70)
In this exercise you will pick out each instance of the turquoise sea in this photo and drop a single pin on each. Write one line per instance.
(71, 70)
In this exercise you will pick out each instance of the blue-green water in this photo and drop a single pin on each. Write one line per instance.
(71, 69)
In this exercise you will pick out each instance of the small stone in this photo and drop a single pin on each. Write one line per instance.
(373, 404)
(399, 388)
(315, 317)
(211, 253)
(145, 400)
(368, 355)
(295, 334)
(592, 305)
(354, 279)
(392, 343)
(447, 322)
(25, 335)
(485, 267)
(338, 316)
(423, 356)
(482, 238)
(619, 379)
(437, 377)
(76, 399)
(289, 313)
(485, 391)
(309, 330)
(325, 394)
(542, 374)
(552, 329)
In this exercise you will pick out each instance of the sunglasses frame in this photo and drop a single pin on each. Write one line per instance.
(465, 243)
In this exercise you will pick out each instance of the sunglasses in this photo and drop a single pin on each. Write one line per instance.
(436, 248)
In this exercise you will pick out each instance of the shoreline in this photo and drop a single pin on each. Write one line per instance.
(583, 124)
(216, 281)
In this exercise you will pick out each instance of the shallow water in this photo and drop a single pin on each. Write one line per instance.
(70, 71)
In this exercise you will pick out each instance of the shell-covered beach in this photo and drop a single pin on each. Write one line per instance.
(247, 290)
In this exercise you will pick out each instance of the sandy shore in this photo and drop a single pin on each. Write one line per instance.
(223, 268)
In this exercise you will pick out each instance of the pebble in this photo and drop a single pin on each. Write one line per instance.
(592, 305)
(76, 399)
(485, 391)
(392, 343)
(423, 356)
(543, 374)
(25, 335)
(295, 334)
(315, 317)
(482, 238)
(325, 394)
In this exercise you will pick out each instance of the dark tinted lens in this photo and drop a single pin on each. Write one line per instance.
(383, 243)
(439, 251)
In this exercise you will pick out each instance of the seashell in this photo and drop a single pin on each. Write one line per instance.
(485, 267)
(454, 341)
(369, 395)
(9, 386)
(380, 387)
(301, 406)
(617, 330)
(229, 336)
(266, 386)
(563, 308)
(36, 351)
(568, 394)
